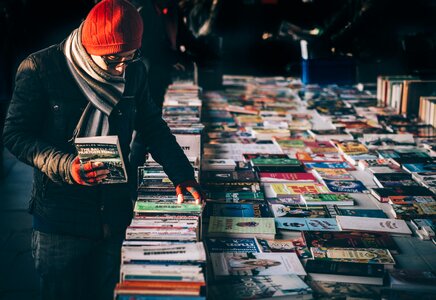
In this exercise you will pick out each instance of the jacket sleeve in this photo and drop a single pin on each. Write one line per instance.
(162, 144)
(23, 126)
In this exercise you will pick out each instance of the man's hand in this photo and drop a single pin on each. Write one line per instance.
(90, 173)
(192, 187)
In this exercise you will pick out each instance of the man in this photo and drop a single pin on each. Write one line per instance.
(90, 84)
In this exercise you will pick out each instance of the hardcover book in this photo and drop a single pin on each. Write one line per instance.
(105, 149)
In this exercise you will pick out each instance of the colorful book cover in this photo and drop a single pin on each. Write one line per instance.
(332, 174)
(345, 186)
(235, 197)
(329, 165)
(257, 210)
(286, 177)
(351, 239)
(357, 255)
(327, 199)
(157, 207)
(285, 210)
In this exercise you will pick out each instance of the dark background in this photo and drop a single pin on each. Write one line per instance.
(382, 36)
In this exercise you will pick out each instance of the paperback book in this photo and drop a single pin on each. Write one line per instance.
(105, 149)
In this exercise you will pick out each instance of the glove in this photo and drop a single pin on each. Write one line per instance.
(89, 173)
(192, 187)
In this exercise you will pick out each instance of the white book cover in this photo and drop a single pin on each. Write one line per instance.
(373, 224)
(165, 252)
(249, 264)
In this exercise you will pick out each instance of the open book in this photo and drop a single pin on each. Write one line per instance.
(105, 149)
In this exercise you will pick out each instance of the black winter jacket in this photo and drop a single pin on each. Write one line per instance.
(43, 113)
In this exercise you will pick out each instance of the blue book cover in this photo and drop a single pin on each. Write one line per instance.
(220, 245)
(298, 224)
(329, 165)
(251, 210)
(369, 213)
(345, 186)
(307, 224)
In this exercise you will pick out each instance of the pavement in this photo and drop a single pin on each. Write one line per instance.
(18, 278)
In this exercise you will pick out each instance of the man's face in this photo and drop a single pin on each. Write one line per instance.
(115, 64)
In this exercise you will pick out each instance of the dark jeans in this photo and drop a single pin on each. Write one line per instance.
(76, 268)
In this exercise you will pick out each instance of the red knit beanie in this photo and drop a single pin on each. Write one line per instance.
(112, 26)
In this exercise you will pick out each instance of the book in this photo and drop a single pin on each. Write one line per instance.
(284, 177)
(286, 189)
(385, 180)
(294, 244)
(222, 244)
(383, 194)
(332, 174)
(345, 186)
(412, 280)
(255, 264)
(306, 224)
(167, 207)
(327, 199)
(344, 290)
(391, 226)
(361, 212)
(105, 149)
(257, 210)
(341, 271)
(351, 239)
(261, 287)
(241, 227)
(296, 210)
(235, 197)
(356, 255)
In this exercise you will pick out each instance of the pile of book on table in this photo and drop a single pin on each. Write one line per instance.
(162, 254)
(309, 190)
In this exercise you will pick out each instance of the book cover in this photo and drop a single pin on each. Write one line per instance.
(412, 280)
(307, 224)
(235, 197)
(351, 239)
(341, 271)
(256, 264)
(257, 210)
(143, 207)
(182, 252)
(391, 226)
(292, 210)
(342, 290)
(327, 199)
(332, 174)
(105, 149)
(361, 212)
(330, 165)
(383, 194)
(357, 255)
(283, 177)
(345, 186)
(241, 227)
(394, 179)
(286, 189)
(222, 244)
(262, 287)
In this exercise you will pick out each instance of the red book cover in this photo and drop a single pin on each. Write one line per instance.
(285, 176)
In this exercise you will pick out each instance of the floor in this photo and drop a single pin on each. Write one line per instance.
(18, 278)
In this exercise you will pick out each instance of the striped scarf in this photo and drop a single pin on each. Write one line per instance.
(102, 90)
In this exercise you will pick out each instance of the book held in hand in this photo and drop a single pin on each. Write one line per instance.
(105, 149)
